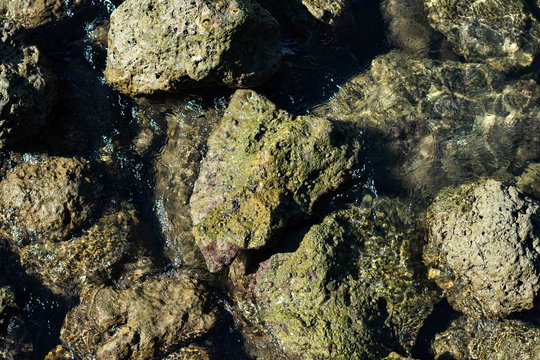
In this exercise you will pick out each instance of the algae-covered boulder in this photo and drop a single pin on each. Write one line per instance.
(91, 256)
(195, 43)
(33, 13)
(484, 248)
(27, 86)
(264, 169)
(142, 321)
(502, 33)
(46, 198)
(354, 288)
(430, 124)
(408, 28)
(468, 338)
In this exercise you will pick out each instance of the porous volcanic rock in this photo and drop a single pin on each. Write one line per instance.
(46, 198)
(263, 169)
(467, 338)
(141, 321)
(33, 13)
(484, 249)
(27, 85)
(196, 43)
(502, 33)
(355, 287)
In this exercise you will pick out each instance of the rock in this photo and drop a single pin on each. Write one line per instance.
(502, 33)
(264, 169)
(484, 248)
(46, 198)
(185, 126)
(195, 44)
(33, 13)
(190, 353)
(327, 11)
(59, 353)
(396, 356)
(141, 321)
(487, 339)
(529, 181)
(408, 28)
(430, 124)
(27, 86)
(15, 341)
(90, 257)
(354, 288)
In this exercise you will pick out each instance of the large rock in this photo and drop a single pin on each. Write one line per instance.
(484, 248)
(502, 33)
(354, 288)
(46, 198)
(429, 124)
(468, 338)
(94, 255)
(33, 13)
(195, 43)
(264, 169)
(139, 322)
(27, 86)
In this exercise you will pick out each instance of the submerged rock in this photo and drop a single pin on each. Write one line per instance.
(263, 170)
(196, 43)
(33, 13)
(139, 322)
(27, 86)
(484, 248)
(46, 198)
(354, 288)
(408, 28)
(89, 257)
(502, 33)
(15, 341)
(327, 11)
(429, 124)
(529, 180)
(487, 339)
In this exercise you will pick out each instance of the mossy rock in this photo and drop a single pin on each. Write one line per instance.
(353, 289)
(264, 169)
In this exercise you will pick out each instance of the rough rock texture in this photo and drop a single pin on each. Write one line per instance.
(195, 43)
(408, 28)
(502, 33)
(529, 180)
(141, 321)
(484, 248)
(59, 353)
(27, 86)
(263, 169)
(396, 356)
(32, 13)
(327, 11)
(486, 339)
(92, 256)
(354, 288)
(46, 198)
(15, 342)
(429, 124)
(190, 353)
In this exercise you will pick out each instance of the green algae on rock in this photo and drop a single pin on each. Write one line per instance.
(355, 287)
(502, 33)
(195, 43)
(484, 248)
(27, 86)
(142, 321)
(262, 170)
(468, 338)
(434, 124)
(46, 198)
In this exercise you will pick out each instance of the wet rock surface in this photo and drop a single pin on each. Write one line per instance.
(33, 13)
(468, 338)
(353, 289)
(146, 319)
(27, 86)
(434, 124)
(196, 43)
(15, 341)
(504, 34)
(484, 248)
(264, 168)
(46, 198)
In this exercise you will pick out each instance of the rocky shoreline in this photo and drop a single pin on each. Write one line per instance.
(307, 179)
